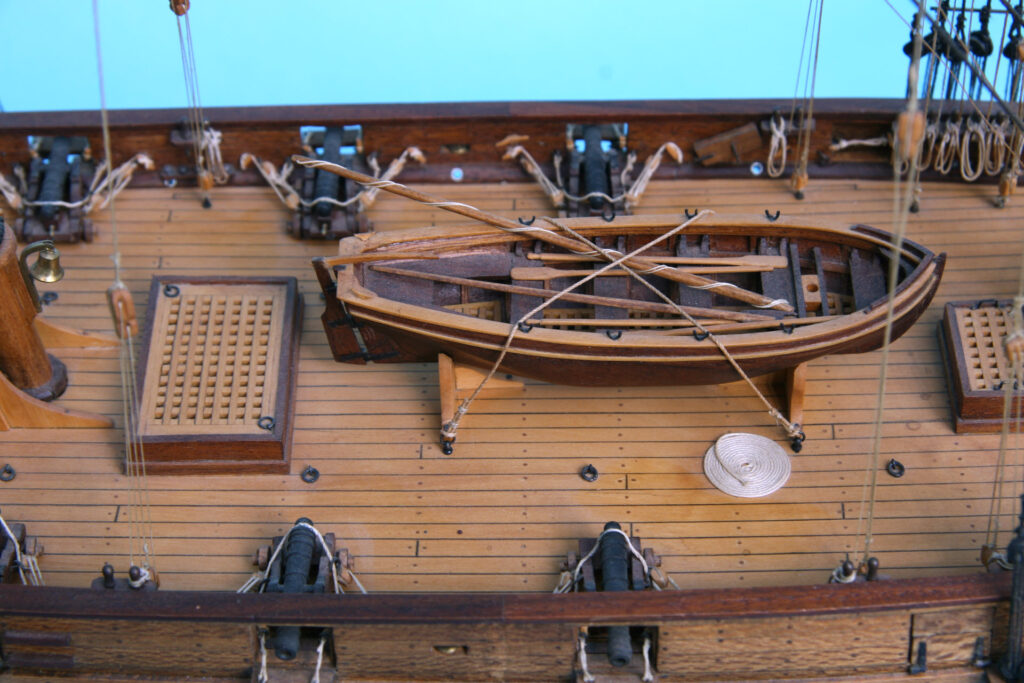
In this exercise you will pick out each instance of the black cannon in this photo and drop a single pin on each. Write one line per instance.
(300, 567)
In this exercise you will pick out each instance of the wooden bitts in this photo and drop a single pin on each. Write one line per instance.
(219, 368)
(971, 337)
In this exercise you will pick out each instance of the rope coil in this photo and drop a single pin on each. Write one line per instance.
(747, 465)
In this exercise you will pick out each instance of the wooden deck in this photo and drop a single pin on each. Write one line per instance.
(500, 514)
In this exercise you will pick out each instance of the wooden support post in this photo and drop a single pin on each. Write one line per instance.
(28, 375)
(796, 386)
(457, 382)
(23, 358)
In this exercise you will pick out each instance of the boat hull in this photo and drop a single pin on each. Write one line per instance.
(406, 332)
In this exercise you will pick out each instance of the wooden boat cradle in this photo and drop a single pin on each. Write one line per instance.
(425, 525)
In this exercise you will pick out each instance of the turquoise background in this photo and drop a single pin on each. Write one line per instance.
(305, 52)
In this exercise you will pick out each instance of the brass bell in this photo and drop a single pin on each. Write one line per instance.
(47, 267)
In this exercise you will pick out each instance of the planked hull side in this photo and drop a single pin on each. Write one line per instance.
(795, 633)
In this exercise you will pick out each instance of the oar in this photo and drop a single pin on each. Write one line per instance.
(545, 235)
(332, 261)
(572, 296)
(763, 260)
(543, 273)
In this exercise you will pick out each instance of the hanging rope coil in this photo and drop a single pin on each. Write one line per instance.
(775, 164)
(975, 138)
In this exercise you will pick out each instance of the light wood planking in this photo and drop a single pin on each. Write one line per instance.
(502, 511)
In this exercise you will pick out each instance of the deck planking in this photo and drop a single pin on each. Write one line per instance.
(501, 513)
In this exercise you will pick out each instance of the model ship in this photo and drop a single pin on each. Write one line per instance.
(579, 481)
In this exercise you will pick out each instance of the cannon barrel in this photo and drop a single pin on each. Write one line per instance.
(55, 178)
(326, 184)
(297, 558)
(595, 176)
(615, 577)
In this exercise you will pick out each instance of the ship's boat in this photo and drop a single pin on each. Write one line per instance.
(562, 315)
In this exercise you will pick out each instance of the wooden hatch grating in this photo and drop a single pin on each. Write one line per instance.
(219, 374)
(973, 333)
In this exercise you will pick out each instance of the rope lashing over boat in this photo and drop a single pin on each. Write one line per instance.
(259, 577)
(278, 180)
(448, 430)
(23, 561)
(106, 185)
(140, 522)
(793, 431)
(513, 227)
(746, 465)
(580, 245)
(631, 197)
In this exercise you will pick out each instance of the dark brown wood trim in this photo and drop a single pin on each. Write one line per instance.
(506, 608)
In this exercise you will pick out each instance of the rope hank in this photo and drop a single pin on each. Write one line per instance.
(746, 465)
(775, 164)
